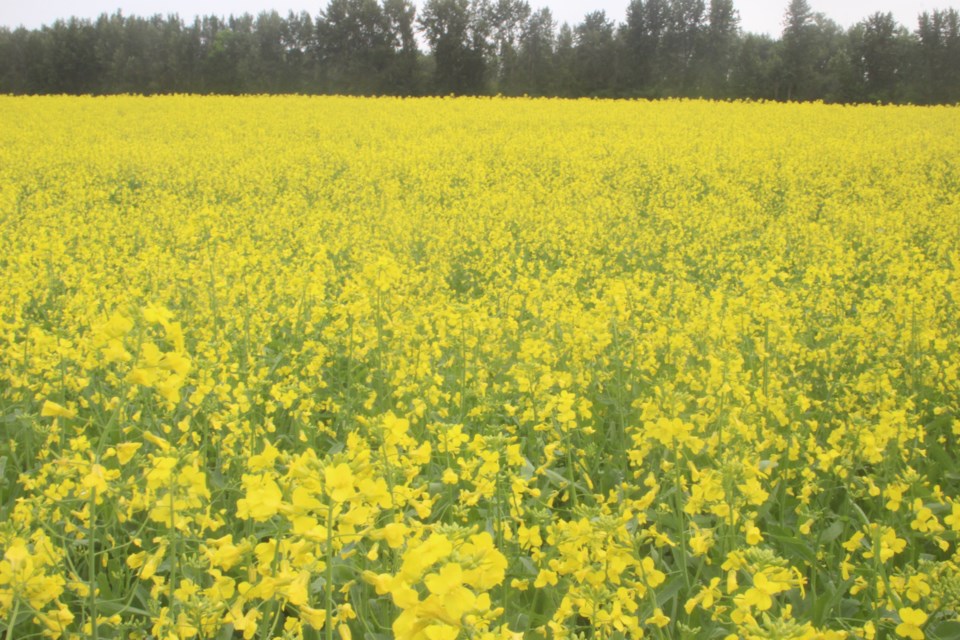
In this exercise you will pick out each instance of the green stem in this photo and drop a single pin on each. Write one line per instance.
(329, 627)
(678, 497)
(13, 619)
(570, 473)
(174, 555)
(463, 370)
(92, 566)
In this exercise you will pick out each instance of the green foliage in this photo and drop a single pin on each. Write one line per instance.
(664, 48)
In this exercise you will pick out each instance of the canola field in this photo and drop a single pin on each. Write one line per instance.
(478, 368)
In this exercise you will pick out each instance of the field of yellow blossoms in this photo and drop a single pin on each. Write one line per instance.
(478, 368)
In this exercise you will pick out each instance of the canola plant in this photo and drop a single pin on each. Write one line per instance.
(290, 367)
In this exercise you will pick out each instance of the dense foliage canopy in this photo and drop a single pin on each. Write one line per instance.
(678, 48)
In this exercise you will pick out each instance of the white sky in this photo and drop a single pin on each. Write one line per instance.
(758, 16)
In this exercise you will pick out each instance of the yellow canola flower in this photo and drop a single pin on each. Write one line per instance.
(339, 482)
(56, 623)
(394, 534)
(658, 618)
(263, 497)
(169, 388)
(175, 362)
(760, 595)
(295, 588)
(51, 409)
(147, 563)
(912, 621)
(113, 330)
(115, 351)
(706, 597)
(98, 477)
(246, 622)
(157, 314)
(754, 536)
(316, 618)
(126, 451)
(224, 554)
(441, 632)
(17, 565)
(487, 564)
(452, 599)
(419, 557)
(265, 459)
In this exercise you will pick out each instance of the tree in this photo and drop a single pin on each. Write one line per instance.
(355, 44)
(564, 62)
(456, 34)
(650, 43)
(813, 56)
(719, 48)
(185, 55)
(507, 18)
(938, 57)
(72, 65)
(219, 64)
(298, 40)
(664, 48)
(536, 67)
(878, 49)
(797, 44)
(756, 68)
(830, 61)
(400, 76)
(595, 59)
(271, 68)
(682, 45)
(641, 42)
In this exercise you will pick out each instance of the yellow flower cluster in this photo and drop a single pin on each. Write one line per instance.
(304, 368)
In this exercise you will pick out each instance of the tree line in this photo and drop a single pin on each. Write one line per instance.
(663, 48)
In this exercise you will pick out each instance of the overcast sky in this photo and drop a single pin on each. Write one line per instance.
(759, 16)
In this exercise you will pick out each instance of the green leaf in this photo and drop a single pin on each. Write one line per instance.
(832, 532)
(110, 607)
(827, 598)
(946, 630)
(670, 590)
(793, 548)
